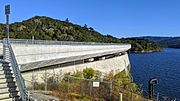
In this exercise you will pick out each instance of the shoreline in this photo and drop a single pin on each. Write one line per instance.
(144, 51)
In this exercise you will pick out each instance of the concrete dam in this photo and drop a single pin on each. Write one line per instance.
(35, 57)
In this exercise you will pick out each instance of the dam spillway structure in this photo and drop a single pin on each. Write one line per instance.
(35, 57)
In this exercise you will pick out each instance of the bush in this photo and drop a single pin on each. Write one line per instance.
(133, 87)
(78, 74)
(88, 73)
(122, 78)
(97, 75)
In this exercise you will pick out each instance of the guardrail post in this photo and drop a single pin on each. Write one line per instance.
(120, 97)
(45, 80)
(157, 98)
(110, 91)
(6, 53)
(68, 84)
(90, 90)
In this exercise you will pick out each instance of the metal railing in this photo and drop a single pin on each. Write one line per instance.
(63, 86)
(19, 79)
(48, 42)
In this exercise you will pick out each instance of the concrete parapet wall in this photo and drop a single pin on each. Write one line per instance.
(32, 53)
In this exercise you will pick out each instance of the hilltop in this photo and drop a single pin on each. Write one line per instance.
(46, 28)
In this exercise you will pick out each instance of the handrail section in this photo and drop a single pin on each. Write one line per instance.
(50, 42)
(18, 76)
(17, 73)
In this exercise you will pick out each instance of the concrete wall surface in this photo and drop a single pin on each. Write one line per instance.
(116, 64)
(41, 53)
(35, 56)
(33, 53)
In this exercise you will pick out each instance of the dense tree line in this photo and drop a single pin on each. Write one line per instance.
(46, 28)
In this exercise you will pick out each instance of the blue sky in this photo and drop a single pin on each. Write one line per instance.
(120, 18)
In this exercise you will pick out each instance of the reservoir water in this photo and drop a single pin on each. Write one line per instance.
(165, 66)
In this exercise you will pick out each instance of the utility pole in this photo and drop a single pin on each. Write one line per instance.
(7, 12)
(6, 55)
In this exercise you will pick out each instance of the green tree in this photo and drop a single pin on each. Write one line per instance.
(67, 20)
(46, 28)
(85, 25)
(90, 28)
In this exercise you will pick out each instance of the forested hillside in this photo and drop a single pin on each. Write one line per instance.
(46, 28)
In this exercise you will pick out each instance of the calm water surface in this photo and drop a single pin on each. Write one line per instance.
(165, 66)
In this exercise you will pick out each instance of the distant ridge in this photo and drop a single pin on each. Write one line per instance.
(171, 42)
(46, 28)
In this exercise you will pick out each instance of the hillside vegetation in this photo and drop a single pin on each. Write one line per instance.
(46, 28)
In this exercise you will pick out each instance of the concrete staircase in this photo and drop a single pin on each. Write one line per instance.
(8, 86)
